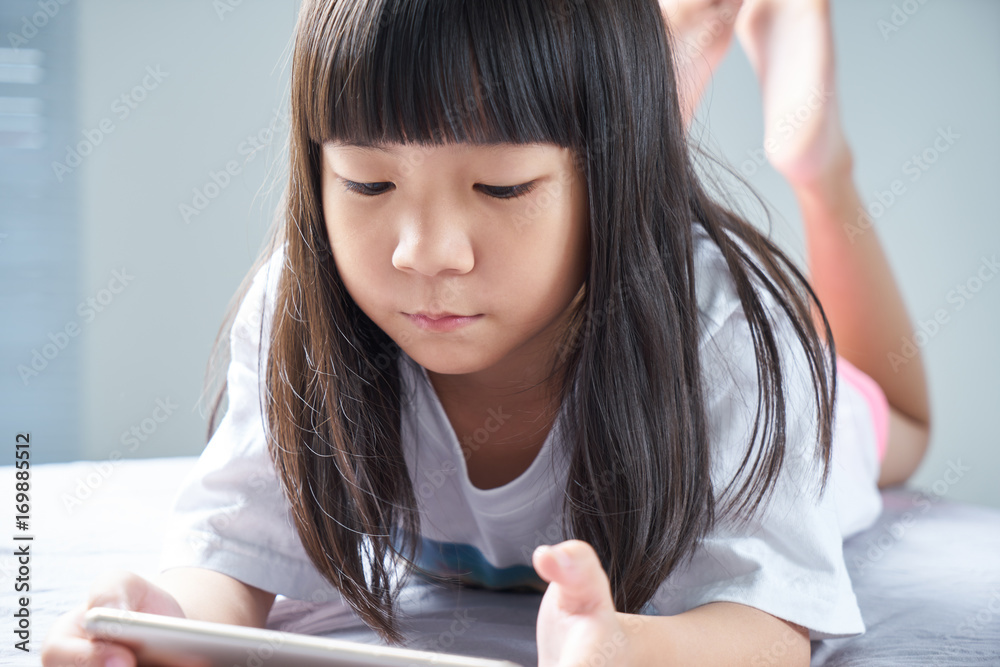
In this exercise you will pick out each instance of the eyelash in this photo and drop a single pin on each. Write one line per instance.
(512, 192)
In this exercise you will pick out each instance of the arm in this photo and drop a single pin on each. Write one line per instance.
(207, 595)
(577, 622)
(718, 633)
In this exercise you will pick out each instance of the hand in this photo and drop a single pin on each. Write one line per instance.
(577, 619)
(68, 644)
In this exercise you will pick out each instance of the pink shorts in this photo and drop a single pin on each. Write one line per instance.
(877, 401)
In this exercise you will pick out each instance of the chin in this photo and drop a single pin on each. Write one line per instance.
(449, 358)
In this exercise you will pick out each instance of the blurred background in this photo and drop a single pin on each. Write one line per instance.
(142, 150)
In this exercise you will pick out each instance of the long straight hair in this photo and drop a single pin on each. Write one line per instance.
(594, 76)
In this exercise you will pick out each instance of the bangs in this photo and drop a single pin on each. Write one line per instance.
(381, 72)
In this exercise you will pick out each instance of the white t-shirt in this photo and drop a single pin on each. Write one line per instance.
(230, 514)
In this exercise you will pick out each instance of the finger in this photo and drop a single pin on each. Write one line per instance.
(65, 640)
(119, 589)
(109, 654)
(573, 565)
(122, 589)
(68, 644)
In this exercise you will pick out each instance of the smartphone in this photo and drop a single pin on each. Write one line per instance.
(168, 641)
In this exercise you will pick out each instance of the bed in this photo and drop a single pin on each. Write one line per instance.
(927, 574)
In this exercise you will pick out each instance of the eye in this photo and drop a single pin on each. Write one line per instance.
(511, 192)
(497, 192)
(366, 189)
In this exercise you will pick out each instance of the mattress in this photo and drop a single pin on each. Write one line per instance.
(926, 574)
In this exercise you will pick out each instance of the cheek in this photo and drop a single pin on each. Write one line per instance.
(348, 227)
(557, 242)
(359, 253)
(542, 266)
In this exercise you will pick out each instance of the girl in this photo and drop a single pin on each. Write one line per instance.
(500, 312)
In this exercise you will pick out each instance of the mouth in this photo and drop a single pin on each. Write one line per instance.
(442, 322)
(435, 316)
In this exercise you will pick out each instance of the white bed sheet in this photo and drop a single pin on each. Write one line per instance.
(927, 575)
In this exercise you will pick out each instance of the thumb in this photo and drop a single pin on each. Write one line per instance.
(573, 566)
(125, 590)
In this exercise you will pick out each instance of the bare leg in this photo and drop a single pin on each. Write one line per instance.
(703, 30)
(790, 45)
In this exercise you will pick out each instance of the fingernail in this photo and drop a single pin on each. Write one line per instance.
(565, 560)
(116, 661)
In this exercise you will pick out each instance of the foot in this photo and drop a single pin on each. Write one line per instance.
(790, 45)
(702, 30)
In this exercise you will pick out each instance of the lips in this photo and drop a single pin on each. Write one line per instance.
(443, 322)
(438, 316)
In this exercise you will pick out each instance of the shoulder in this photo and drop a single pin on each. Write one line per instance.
(259, 298)
(715, 287)
(264, 282)
(720, 312)
(727, 350)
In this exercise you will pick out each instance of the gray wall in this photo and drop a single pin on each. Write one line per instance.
(221, 79)
(225, 78)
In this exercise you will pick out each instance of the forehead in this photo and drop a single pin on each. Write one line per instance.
(505, 155)
(457, 148)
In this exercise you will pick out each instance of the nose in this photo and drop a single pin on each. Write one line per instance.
(432, 245)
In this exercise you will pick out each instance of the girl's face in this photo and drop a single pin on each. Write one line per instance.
(497, 231)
